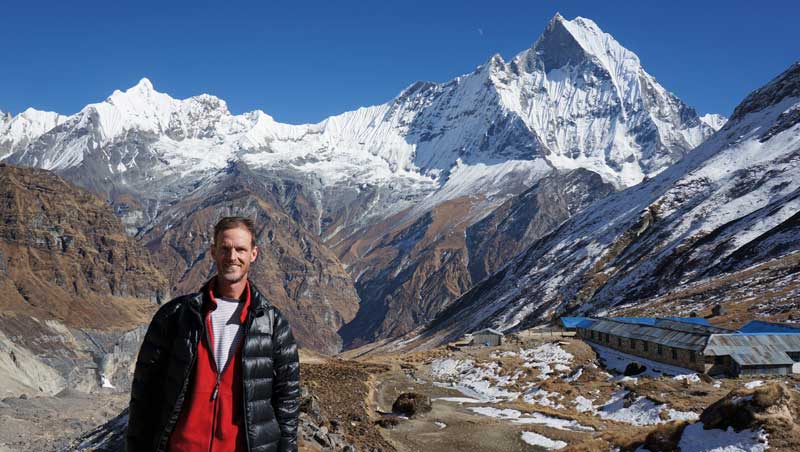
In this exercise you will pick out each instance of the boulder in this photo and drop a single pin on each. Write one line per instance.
(634, 368)
(411, 404)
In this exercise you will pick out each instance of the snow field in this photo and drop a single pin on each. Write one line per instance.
(517, 417)
(535, 439)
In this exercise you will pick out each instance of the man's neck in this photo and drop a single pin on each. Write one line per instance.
(230, 290)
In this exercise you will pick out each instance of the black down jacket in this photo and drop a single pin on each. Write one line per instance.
(270, 373)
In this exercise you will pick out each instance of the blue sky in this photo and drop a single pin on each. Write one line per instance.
(303, 61)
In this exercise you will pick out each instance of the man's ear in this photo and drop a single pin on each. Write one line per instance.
(213, 251)
(254, 254)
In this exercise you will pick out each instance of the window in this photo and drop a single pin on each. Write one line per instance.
(692, 356)
(660, 349)
(674, 353)
(645, 346)
(619, 341)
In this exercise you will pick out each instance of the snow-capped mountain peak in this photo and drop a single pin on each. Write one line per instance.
(20, 130)
(576, 99)
(140, 106)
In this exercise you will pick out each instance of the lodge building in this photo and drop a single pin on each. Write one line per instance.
(695, 344)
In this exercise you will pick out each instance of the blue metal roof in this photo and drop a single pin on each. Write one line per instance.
(694, 320)
(572, 322)
(760, 326)
(654, 320)
(637, 320)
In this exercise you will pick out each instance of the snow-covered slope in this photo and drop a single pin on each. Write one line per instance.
(738, 187)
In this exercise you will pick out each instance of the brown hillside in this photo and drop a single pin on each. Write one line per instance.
(65, 256)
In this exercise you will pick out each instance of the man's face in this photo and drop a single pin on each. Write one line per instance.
(233, 251)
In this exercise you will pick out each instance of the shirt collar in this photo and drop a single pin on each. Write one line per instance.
(212, 301)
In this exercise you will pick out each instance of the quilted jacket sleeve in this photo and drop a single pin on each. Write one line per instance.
(286, 386)
(150, 371)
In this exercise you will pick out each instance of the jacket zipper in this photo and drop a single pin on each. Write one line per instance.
(215, 392)
(248, 324)
(219, 372)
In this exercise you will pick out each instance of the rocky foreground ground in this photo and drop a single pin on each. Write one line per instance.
(528, 395)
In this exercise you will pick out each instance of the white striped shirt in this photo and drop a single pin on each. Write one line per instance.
(226, 326)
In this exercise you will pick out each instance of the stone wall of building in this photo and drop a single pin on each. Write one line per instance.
(650, 350)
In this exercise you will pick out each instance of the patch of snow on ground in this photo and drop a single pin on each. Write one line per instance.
(502, 354)
(642, 411)
(106, 382)
(582, 404)
(553, 422)
(575, 375)
(754, 384)
(545, 355)
(535, 439)
(542, 397)
(498, 413)
(484, 383)
(691, 378)
(441, 425)
(458, 399)
(617, 361)
(518, 417)
(697, 439)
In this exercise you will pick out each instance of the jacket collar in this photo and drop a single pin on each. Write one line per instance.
(257, 303)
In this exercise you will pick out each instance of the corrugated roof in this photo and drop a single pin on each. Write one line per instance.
(754, 349)
(760, 326)
(691, 327)
(488, 330)
(654, 320)
(678, 338)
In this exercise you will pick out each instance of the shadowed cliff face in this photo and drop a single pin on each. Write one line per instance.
(523, 219)
(407, 272)
(65, 256)
(294, 270)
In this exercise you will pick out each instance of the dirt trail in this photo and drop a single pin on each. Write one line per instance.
(448, 426)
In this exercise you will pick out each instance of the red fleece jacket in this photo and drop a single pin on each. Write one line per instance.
(212, 415)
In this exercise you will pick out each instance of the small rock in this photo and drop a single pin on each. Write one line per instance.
(322, 439)
(388, 422)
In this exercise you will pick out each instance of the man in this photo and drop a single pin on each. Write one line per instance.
(218, 369)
